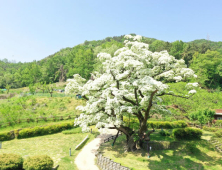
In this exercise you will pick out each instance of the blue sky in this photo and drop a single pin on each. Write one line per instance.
(33, 29)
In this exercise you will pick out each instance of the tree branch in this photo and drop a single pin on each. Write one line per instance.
(128, 100)
(149, 106)
(137, 103)
(175, 95)
(85, 97)
(141, 94)
(117, 81)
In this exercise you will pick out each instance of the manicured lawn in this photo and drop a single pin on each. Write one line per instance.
(204, 156)
(56, 146)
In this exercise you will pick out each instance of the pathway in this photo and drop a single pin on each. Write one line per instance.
(85, 160)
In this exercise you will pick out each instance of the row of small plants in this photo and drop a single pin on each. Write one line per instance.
(166, 124)
(160, 124)
(16, 162)
(36, 131)
(183, 133)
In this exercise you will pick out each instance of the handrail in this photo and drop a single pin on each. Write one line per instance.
(81, 142)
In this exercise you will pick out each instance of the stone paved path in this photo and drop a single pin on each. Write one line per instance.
(85, 160)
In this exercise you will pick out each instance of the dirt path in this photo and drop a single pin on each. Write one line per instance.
(85, 159)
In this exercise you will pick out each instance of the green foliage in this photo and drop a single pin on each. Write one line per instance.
(210, 129)
(202, 100)
(164, 133)
(4, 136)
(81, 59)
(208, 67)
(7, 88)
(40, 162)
(203, 116)
(187, 133)
(166, 124)
(72, 131)
(11, 162)
(218, 134)
(191, 147)
(32, 89)
(218, 123)
(45, 130)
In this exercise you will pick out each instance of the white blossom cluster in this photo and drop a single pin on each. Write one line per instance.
(133, 69)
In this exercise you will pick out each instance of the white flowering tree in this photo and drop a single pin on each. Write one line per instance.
(134, 79)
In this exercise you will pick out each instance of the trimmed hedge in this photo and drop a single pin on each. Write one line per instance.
(72, 131)
(40, 162)
(10, 162)
(4, 136)
(187, 133)
(45, 130)
(211, 129)
(166, 124)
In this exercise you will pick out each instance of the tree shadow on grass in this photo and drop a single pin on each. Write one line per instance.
(180, 158)
(183, 158)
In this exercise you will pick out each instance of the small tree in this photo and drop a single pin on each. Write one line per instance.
(202, 116)
(41, 86)
(50, 88)
(8, 87)
(32, 89)
(134, 79)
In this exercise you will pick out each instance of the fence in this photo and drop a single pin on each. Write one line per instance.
(107, 164)
(38, 119)
(111, 138)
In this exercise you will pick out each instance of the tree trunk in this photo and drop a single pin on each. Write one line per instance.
(137, 145)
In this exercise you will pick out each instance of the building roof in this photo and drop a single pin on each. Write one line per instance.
(218, 110)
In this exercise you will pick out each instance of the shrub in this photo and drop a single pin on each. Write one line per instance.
(187, 133)
(166, 124)
(218, 134)
(10, 162)
(49, 129)
(40, 162)
(4, 136)
(218, 123)
(164, 133)
(211, 129)
(72, 131)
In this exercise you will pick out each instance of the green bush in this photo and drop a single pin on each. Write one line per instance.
(218, 134)
(211, 129)
(187, 133)
(10, 162)
(40, 162)
(166, 124)
(4, 136)
(164, 133)
(72, 131)
(218, 123)
(49, 129)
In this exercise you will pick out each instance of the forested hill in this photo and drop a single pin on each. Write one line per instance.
(204, 56)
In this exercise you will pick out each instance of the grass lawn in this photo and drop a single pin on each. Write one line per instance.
(56, 146)
(204, 157)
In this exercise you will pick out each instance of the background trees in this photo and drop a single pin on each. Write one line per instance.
(81, 59)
